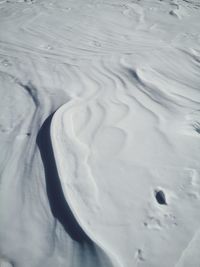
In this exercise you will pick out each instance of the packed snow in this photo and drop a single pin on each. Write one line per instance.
(100, 133)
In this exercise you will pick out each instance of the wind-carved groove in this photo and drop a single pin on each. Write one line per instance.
(32, 92)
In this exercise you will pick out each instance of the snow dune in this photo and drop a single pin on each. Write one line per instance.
(100, 131)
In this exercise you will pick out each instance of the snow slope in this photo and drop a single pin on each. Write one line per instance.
(100, 133)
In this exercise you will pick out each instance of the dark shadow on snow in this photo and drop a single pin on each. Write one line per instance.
(59, 206)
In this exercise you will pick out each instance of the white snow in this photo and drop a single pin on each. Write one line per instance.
(100, 111)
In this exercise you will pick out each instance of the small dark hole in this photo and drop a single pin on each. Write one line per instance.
(160, 197)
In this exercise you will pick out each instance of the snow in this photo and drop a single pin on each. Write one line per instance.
(99, 132)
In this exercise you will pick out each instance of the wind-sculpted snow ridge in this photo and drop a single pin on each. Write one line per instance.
(75, 175)
(99, 133)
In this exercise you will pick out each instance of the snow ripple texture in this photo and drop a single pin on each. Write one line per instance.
(100, 110)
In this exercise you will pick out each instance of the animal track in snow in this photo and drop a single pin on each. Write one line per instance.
(139, 255)
(153, 223)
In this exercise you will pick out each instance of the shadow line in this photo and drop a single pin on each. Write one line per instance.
(59, 206)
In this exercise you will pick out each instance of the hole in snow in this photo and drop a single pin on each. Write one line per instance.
(160, 197)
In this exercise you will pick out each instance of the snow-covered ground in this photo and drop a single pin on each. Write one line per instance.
(100, 133)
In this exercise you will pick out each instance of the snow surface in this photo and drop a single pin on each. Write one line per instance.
(100, 133)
